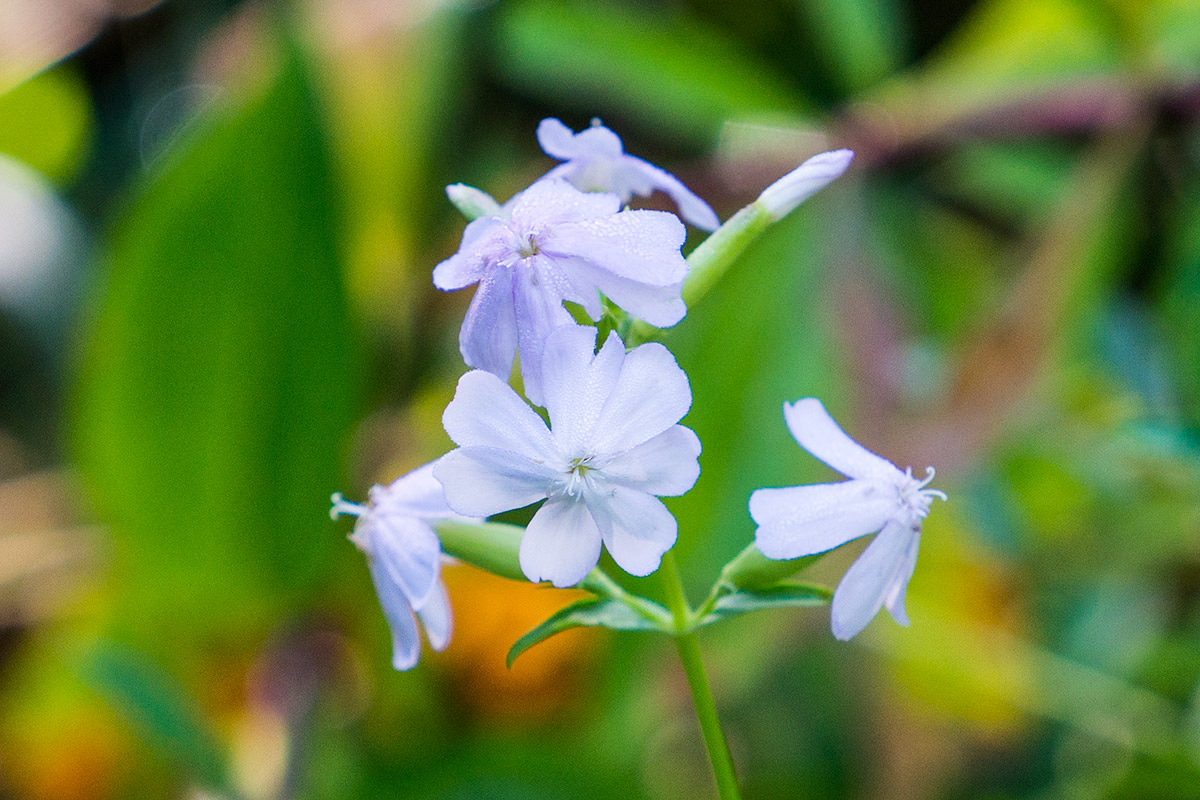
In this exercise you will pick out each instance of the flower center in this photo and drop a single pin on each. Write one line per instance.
(527, 247)
(524, 243)
(578, 475)
(914, 494)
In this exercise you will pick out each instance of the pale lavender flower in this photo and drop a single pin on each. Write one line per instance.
(404, 557)
(595, 161)
(612, 448)
(553, 243)
(803, 520)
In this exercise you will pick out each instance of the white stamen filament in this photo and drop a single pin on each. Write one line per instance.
(577, 476)
(914, 494)
(342, 506)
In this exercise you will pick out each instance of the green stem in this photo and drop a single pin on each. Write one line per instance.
(709, 262)
(693, 667)
(599, 583)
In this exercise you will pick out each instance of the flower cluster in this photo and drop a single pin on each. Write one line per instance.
(607, 443)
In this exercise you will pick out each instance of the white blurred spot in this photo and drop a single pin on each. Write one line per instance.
(40, 247)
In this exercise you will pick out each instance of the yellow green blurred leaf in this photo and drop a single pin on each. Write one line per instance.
(46, 122)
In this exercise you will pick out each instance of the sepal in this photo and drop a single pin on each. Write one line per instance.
(750, 569)
(491, 546)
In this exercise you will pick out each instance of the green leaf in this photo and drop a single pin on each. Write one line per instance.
(218, 382)
(589, 612)
(781, 595)
(1009, 43)
(598, 55)
(859, 39)
(159, 709)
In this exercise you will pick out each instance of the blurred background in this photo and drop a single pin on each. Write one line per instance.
(217, 225)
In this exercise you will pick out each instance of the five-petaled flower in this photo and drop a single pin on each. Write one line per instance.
(613, 446)
(595, 161)
(553, 243)
(404, 557)
(803, 520)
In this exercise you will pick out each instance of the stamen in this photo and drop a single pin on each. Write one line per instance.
(577, 475)
(930, 473)
(342, 506)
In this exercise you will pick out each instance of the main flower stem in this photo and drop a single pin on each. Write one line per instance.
(693, 667)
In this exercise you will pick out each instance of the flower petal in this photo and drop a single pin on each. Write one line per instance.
(486, 412)
(802, 520)
(651, 395)
(637, 527)
(436, 617)
(539, 310)
(406, 641)
(576, 383)
(641, 245)
(894, 602)
(597, 142)
(481, 481)
(550, 202)
(661, 306)
(556, 139)
(474, 256)
(666, 465)
(406, 551)
(817, 433)
(559, 141)
(488, 337)
(873, 578)
(417, 494)
(691, 207)
(561, 543)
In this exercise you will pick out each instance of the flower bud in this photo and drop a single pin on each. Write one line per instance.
(803, 182)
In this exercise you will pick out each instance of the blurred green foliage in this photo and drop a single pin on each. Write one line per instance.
(219, 376)
(1006, 285)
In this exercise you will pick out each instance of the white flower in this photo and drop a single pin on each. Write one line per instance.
(552, 243)
(613, 445)
(595, 161)
(803, 520)
(804, 181)
(404, 556)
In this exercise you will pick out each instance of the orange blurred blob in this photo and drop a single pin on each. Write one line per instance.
(85, 758)
(490, 614)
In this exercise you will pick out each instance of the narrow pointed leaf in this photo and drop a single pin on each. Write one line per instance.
(160, 711)
(783, 595)
(589, 612)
